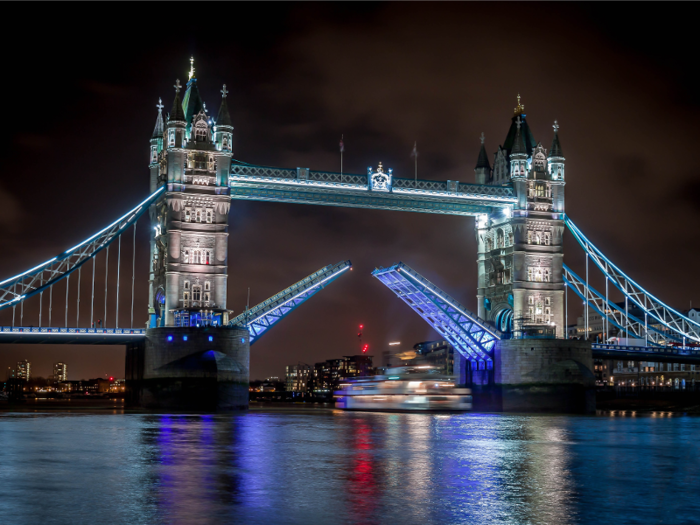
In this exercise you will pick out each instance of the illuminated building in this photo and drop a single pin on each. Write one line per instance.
(520, 252)
(24, 370)
(60, 372)
(190, 153)
(297, 378)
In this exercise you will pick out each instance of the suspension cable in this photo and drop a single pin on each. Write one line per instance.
(21, 312)
(77, 315)
(104, 319)
(41, 297)
(119, 260)
(67, 284)
(92, 302)
(14, 306)
(133, 274)
(50, 302)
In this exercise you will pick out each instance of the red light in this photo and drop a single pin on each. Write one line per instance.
(111, 379)
(365, 348)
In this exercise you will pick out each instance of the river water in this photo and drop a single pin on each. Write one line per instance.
(321, 466)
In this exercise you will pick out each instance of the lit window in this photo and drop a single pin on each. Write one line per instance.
(187, 285)
(547, 239)
(209, 215)
(547, 301)
(531, 300)
(207, 286)
(529, 237)
(199, 215)
(196, 293)
(186, 258)
(188, 217)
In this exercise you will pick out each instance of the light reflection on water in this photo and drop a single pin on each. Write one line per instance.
(324, 466)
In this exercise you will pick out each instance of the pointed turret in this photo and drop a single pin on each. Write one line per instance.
(528, 138)
(176, 114)
(156, 146)
(223, 131)
(224, 118)
(556, 158)
(176, 122)
(158, 130)
(483, 168)
(518, 155)
(192, 102)
(555, 150)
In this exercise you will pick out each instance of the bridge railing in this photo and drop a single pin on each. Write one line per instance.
(661, 350)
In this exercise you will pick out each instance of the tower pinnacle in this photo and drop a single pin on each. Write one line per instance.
(191, 69)
(158, 130)
(520, 109)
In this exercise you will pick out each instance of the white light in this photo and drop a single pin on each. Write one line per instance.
(394, 343)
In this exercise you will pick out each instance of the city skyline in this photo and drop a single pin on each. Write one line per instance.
(416, 88)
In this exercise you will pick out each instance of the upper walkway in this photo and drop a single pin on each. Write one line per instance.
(375, 190)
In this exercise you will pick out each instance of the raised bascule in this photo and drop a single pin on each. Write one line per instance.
(193, 353)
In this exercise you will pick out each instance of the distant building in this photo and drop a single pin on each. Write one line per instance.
(297, 377)
(323, 378)
(646, 374)
(24, 370)
(60, 372)
(693, 314)
(439, 354)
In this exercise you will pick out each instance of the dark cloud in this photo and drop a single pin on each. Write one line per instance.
(384, 75)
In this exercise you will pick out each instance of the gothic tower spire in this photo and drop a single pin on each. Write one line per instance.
(556, 156)
(483, 168)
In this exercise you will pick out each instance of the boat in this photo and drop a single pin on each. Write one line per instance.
(404, 389)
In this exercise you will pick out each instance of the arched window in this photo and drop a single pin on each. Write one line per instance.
(196, 293)
(186, 258)
(199, 216)
(209, 215)
(200, 132)
(185, 299)
(206, 256)
(207, 286)
(499, 238)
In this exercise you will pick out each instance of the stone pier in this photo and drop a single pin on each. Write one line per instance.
(538, 375)
(189, 369)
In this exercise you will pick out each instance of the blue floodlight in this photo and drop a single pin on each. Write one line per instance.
(211, 338)
(184, 338)
(170, 338)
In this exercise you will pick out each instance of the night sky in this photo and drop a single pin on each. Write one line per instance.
(79, 97)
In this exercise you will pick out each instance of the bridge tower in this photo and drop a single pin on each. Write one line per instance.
(520, 253)
(190, 358)
(191, 154)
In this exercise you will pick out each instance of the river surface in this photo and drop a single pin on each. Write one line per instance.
(322, 466)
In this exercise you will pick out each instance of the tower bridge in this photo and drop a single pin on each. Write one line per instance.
(193, 351)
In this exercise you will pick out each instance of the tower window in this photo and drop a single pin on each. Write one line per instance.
(207, 297)
(186, 257)
(200, 133)
(545, 275)
(185, 299)
(198, 217)
(531, 300)
(207, 255)
(547, 301)
(197, 293)
(209, 215)
(207, 286)
(547, 238)
(187, 285)
(529, 237)
(188, 215)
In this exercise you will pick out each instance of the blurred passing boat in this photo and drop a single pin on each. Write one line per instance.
(404, 389)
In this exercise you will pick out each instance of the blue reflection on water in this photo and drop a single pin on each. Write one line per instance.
(325, 466)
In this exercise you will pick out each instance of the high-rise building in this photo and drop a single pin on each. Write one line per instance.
(60, 372)
(191, 153)
(520, 254)
(24, 370)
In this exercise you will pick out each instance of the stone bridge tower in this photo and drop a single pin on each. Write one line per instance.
(520, 253)
(191, 154)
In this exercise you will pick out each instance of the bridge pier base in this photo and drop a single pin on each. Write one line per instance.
(189, 369)
(539, 375)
